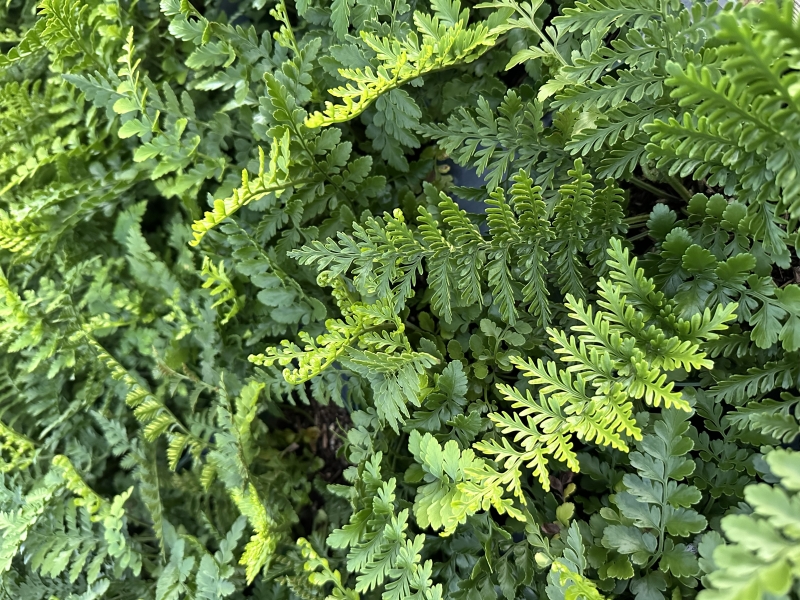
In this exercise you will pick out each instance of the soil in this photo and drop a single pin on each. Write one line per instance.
(331, 421)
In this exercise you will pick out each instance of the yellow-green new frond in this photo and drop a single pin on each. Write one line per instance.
(455, 485)
(16, 450)
(272, 179)
(221, 287)
(320, 572)
(318, 353)
(20, 236)
(87, 497)
(262, 544)
(578, 585)
(438, 43)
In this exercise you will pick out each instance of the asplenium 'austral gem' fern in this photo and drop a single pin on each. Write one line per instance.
(399, 300)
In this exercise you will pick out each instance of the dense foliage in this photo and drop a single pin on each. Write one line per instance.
(259, 339)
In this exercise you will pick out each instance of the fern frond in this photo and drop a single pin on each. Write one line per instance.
(570, 229)
(438, 44)
(272, 180)
(536, 234)
(504, 230)
(261, 547)
(219, 284)
(742, 387)
(600, 14)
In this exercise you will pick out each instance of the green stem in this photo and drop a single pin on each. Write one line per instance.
(636, 219)
(661, 525)
(676, 185)
(649, 187)
(709, 504)
(639, 236)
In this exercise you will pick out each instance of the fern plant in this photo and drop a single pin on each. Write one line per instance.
(763, 175)
(263, 334)
(622, 354)
(748, 566)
